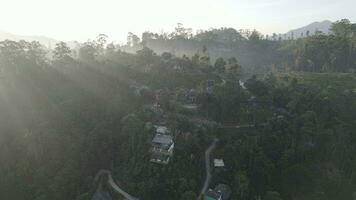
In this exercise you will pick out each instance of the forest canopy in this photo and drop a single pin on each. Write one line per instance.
(282, 111)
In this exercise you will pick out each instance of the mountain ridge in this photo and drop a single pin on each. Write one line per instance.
(323, 26)
(44, 40)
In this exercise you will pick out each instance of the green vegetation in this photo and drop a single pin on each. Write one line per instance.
(305, 150)
(65, 118)
(257, 53)
(65, 114)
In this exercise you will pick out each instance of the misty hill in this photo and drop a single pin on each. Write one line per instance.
(323, 26)
(46, 41)
(250, 48)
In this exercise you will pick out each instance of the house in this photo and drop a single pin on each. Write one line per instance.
(281, 111)
(242, 84)
(190, 106)
(178, 68)
(162, 148)
(140, 90)
(209, 84)
(219, 163)
(160, 159)
(221, 192)
(212, 195)
(163, 144)
(191, 96)
(190, 100)
(157, 99)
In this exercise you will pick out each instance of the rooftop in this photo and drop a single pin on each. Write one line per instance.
(221, 192)
(162, 139)
(219, 163)
(190, 106)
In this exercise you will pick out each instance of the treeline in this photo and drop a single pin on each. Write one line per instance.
(254, 52)
(257, 53)
(326, 53)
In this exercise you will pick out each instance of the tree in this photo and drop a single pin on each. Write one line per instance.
(88, 51)
(145, 52)
(132, 40)
(204, 59)
(274, 36)
(342, 28)
(181, 32)
(234, 66)
(62, 52)
(224, 35)
(17, 56)
(167, 56)
(232, 61)
(13, 55)
(220, 65)
(83, 196)
(100, 44)
(272, 195)
(147, 36)
(36, 52)
(110, 50)
(255, 36)
(101, 40)
(307, 33)
(297, 179)
(189, 195)
(242, 183)
(195, 59)
(135, 139)
(257, 87)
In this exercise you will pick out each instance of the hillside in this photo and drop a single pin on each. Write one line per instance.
(285, 135)
(323, 26)
(46, 41)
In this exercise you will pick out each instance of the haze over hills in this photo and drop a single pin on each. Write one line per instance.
(46, 41)
(323, 26)
(225, 113)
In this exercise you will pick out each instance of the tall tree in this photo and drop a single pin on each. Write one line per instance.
(62, 52)
(342, 28)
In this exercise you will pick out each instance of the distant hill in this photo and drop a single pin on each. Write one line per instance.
(323, 26)
(46, 41)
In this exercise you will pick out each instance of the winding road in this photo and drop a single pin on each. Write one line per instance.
(113, 184)
(208, 176)
(130, 197)
(207, 168)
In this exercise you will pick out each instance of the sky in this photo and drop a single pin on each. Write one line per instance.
(83, 19)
